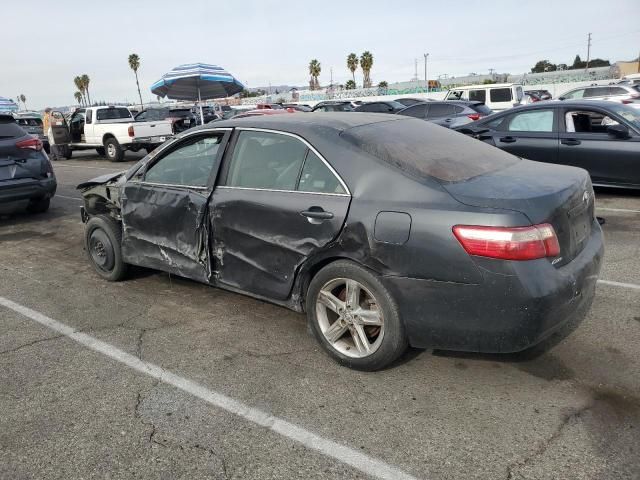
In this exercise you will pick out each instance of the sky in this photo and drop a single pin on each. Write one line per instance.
(45, 43)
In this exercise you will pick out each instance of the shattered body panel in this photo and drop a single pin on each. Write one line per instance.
(396, 221)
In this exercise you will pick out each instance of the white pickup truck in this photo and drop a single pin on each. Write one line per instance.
(109, 130)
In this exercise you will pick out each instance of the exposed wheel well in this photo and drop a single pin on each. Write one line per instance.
(96, 205)
(310, 271)
(106, 137)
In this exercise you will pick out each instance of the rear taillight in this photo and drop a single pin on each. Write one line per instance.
(31, 143)
(130, 131)
(509, 243)
(474, 116)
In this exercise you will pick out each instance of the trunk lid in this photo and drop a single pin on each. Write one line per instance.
(18, 162)
(555, 194)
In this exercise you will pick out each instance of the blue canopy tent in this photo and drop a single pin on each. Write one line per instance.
(197, 81)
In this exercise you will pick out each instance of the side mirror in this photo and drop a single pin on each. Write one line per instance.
(618, 131)
(561, 98)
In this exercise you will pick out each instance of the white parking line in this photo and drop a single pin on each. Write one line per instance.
(358, 460)
(68, 198)
(620, 284)
(623, 210)
(113, 169)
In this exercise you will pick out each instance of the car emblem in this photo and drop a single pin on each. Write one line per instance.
(585, 196)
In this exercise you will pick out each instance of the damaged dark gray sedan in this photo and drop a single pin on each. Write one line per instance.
(387, 231)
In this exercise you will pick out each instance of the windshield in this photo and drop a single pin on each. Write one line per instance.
(630, 114)
(422, 149)
(113, 113)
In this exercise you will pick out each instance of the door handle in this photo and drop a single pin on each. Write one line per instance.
(570, 141)
(507, 139)
(316, 213)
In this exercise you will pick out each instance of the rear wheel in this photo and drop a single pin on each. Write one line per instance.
(103, 240)
(354, 317)
(114, 151)
(38, 206)
(100, 151)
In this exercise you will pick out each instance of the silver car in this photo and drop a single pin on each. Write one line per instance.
(626, 94)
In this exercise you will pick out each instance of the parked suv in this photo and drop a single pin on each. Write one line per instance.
(387, 106)
(627, 94)
(32, 123)
(26, 174)
(496, 96)
(448, 114)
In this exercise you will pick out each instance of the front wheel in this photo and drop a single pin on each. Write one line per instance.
(354, 317)
(114, 151)
(103, 240)
(100, 151)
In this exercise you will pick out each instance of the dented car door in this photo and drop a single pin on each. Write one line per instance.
(164, 207)
(277, 203)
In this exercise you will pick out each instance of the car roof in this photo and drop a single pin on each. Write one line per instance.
(560, 103)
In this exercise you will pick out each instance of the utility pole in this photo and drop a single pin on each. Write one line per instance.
(426, 80)
(331, 82)
(588, 51)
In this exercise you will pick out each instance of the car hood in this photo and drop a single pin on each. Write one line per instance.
(101, 180)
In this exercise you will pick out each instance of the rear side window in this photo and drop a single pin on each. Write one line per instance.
(500, 94)
(317, 178)
(440, 110)
(113, 113)
(11, 130)
(534, 121)
(617, 91)
(416, 111)
(421, 149)
(266, 160)
(478, 95)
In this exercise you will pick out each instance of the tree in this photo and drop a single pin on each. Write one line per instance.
(80, 86)
(488, 81)
(78, 97)
(23, 99)
(544, 66)
(85, 83)
(598, 62)
(352, 65)
(314, 71)
(134, 64)
(578, 63)
(350, 85)
(366, 62)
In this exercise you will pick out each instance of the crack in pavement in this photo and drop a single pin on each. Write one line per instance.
(29, 344)
(542, 446)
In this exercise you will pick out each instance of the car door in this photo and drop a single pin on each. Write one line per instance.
(89, 130)
(59, 128)
(586, 143)
(441, 113)
(164, 207)
(278, 203)
(530, 134)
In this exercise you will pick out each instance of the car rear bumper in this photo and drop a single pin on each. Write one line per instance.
(26, 189)
(152, 140)
(518, 304)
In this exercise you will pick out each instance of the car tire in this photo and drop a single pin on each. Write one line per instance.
(113, 150)
(100, 151)
(387, 339)
(67, 152)
(38, 206)
(103, 243)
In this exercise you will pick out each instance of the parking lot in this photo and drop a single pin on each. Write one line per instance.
(195, 382)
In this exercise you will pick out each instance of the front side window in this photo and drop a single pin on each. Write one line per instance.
(574, 94)
(316, 177)
(533, 121)
(190, 164)
(478, 95)
(596, 92)
(500, 95)
(587, 121)
(266, 160)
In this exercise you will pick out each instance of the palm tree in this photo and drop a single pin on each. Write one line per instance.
(350, 85)
(78, 97)
(352, 64)
(314, 71)
(80, 86)
(134, 64)
(23, 99)
(85, 83)
(366, 62)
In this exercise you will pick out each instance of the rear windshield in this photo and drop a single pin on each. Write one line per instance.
(29, 122)
(113, 113)
(422, 149)
(482, 108)
(10, 130)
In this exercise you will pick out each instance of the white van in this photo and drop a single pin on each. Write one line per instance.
(496, 96)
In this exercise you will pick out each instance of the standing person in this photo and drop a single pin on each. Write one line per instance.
(47, 123)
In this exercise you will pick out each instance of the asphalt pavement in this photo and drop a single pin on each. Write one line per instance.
(158, 377)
